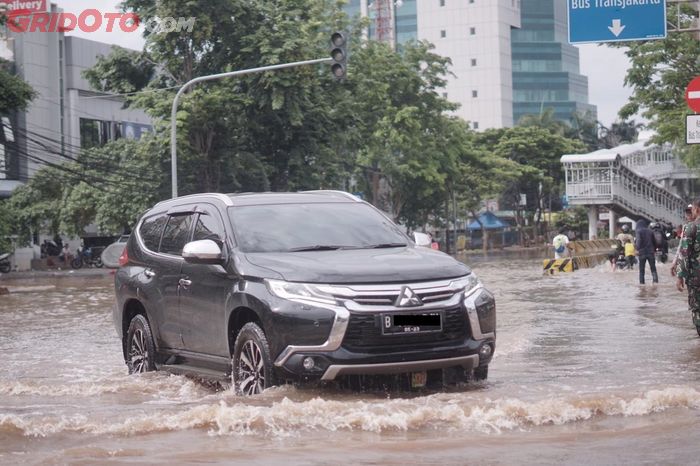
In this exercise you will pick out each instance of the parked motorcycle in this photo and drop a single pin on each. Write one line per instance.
(5, 265)
(86, 257)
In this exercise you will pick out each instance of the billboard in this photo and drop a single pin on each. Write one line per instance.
(22, 7)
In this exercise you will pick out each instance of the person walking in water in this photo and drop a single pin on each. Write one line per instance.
(644, 242)
(688, 272)
(560, 243)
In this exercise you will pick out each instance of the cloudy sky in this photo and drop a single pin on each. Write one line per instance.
(604, 66)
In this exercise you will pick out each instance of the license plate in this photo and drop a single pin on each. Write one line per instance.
(394, 324)
(419, 379)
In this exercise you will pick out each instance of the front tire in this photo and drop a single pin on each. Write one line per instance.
(5, 268)
(76, 263)
(140, 349)
(252, 365)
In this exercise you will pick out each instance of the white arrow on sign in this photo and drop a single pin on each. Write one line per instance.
(616, 27)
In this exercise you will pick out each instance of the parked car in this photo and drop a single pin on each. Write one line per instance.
(110, 255)
(263, 289)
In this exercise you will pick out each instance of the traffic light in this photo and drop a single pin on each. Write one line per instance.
(339, 54)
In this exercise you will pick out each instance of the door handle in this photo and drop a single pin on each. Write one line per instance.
(149, 273)
(185, 282)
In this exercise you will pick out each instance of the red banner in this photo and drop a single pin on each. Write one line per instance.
(23, 7)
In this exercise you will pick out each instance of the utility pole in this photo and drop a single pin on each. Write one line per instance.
(231, 74)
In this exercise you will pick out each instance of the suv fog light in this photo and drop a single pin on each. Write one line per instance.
(485, 351)
(309, 363)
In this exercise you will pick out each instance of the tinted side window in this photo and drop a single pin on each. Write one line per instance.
(151, 230)
(176, 234)
(208, 227)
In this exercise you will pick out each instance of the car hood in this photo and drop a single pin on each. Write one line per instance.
(354, 266)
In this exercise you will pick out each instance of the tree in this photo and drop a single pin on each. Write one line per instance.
(659, 73)
(537, 153)
(400, 132)
(620, 132)
(37, 204)
(275, 130)
(15, 94)
(109, 187)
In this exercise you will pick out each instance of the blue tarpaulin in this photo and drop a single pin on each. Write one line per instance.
(490, 221)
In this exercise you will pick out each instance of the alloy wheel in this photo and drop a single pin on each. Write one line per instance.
(251, 369)
(138, 352)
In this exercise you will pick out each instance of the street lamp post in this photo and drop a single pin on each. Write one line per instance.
(230, 74)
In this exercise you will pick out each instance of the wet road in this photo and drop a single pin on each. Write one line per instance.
(590, 367)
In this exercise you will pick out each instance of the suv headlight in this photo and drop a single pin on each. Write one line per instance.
(466, 283)
(299, 292)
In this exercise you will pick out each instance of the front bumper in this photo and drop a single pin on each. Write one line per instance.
(337, 357)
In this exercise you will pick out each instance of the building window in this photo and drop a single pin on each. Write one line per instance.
(475, 125)
(475, 93)
(473, 61)
(472, 31)
(471, 1)
(444, 95)
(443, 33)
(442, 2)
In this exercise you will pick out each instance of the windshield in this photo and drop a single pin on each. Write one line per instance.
(313, 227)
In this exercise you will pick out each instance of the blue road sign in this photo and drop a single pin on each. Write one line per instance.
(616, 20)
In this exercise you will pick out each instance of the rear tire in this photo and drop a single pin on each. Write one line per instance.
(76, 263)
(251, 362)
(5, 268)
(140, 349)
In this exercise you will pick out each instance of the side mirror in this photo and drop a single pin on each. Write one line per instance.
(204, 251)
(422, 239)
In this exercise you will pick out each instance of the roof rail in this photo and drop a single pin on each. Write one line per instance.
(222, 197)
(334, 192)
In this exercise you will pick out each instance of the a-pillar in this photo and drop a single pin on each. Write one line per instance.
(592, 222)
(612, 223)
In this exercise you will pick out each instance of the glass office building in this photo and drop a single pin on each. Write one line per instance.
(545, 66)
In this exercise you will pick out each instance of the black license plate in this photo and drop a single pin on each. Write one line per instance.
(393, 324)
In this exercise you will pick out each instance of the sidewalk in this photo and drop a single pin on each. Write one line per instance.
(95, 272)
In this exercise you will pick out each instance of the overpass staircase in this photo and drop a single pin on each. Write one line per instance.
(630, 180)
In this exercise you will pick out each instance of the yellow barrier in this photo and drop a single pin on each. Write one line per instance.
(552, 266)
(584, 248)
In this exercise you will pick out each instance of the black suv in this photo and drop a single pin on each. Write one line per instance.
(266, 288)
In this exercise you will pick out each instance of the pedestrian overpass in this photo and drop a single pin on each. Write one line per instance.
(631, 180)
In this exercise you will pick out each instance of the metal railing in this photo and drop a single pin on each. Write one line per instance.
(623, 178)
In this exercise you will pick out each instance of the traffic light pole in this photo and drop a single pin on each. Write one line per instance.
(231, 74)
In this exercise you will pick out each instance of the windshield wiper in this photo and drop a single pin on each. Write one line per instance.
(386, 245)
(318, 247)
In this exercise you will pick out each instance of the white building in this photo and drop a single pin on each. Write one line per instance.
(474, 34)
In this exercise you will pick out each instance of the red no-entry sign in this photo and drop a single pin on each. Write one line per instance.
(692, 94)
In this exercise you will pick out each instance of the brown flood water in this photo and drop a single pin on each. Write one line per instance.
(589, 368)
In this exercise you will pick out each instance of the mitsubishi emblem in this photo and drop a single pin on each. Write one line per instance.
(407, 298)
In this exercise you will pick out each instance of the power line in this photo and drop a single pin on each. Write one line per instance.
(106, 96)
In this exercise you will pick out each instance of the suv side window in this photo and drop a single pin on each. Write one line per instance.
(177, 234)
(208, 227)
(151, 231)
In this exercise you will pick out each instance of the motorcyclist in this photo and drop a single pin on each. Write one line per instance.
(624, 234)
